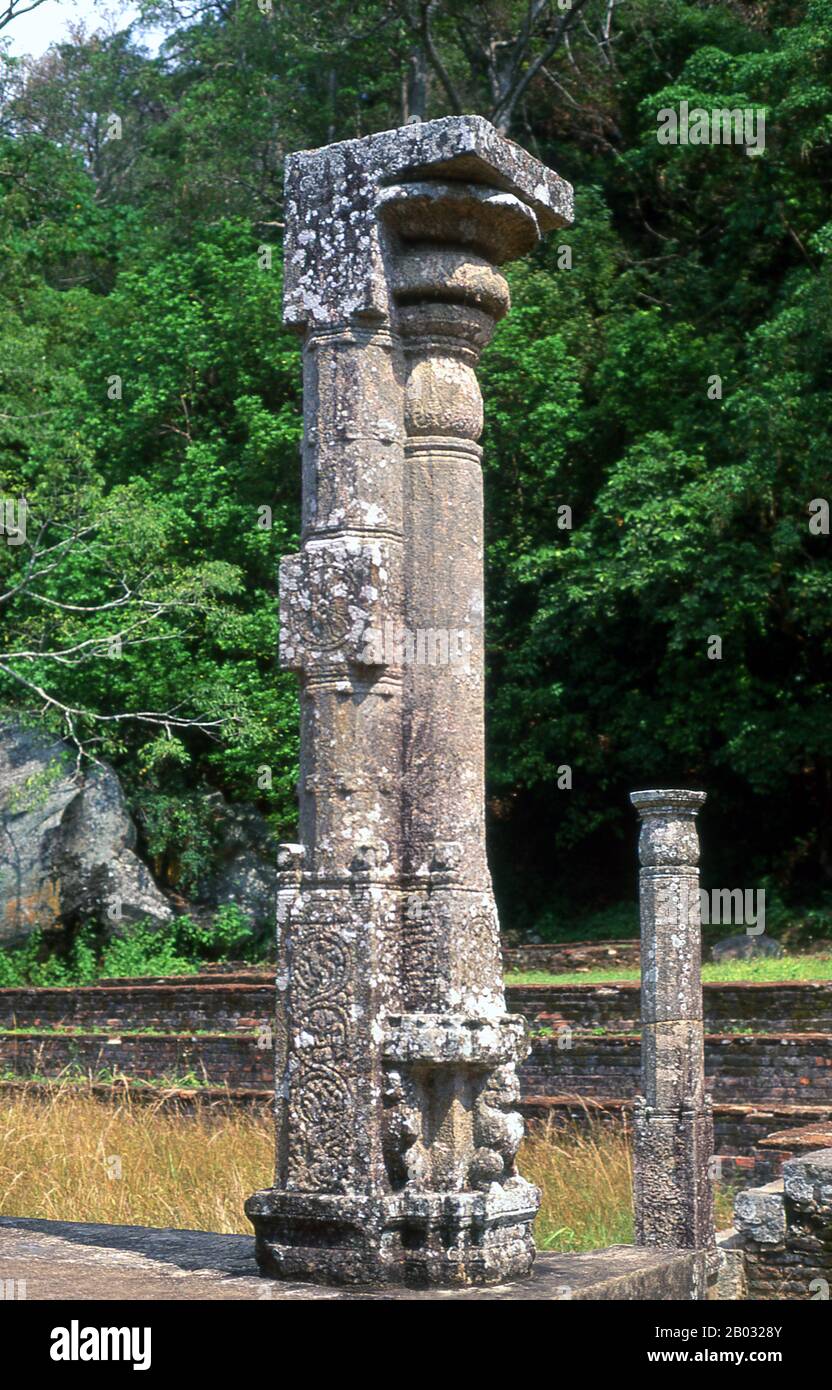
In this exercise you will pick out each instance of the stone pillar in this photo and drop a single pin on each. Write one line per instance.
(673, 1140)
(395, 1064)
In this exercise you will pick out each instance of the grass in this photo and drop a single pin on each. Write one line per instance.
(766, 971)
(72, 1156)
(74, 1077)
(585, 1175)
(72, 1030)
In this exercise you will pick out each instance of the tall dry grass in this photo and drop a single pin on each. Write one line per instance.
(71, 1155)
(585, 1175)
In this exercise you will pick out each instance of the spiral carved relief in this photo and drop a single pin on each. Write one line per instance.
(321, 1101)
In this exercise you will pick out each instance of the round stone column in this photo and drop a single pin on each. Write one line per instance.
(673, 1140)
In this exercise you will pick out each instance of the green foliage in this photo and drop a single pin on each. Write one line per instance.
(178, 947)
(144, 258)
(180, 833)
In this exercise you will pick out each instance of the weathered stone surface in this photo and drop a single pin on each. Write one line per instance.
(66, 842)
(673, 1064)
(244, 872)
(741, 946)
(786, 1232)
(761, 1215)
(671, 1181)
(395, 1058)
(731, 1284)
(807, 1181)
(673, 1124)
(334, 245)
(72, 1260)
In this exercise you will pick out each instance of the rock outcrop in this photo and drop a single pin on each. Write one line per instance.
(67, 843)
(245, 873)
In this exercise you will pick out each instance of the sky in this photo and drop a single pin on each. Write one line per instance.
(32, 33)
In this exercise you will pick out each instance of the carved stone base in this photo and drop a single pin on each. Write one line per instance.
(673, 1194)
(417, 1239)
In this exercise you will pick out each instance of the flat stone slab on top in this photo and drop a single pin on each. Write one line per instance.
(801, 1140)
(68, 1260)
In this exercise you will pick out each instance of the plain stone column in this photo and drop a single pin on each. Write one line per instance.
(395, 1059)
(673, 1141)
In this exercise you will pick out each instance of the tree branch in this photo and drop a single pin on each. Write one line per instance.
(14, 9)
(427, 8)
(503, 111)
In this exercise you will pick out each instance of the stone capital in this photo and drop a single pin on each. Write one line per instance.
(668, 830)
(336, 241)
(672, 802)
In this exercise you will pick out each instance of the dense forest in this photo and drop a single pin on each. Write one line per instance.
(665, 375)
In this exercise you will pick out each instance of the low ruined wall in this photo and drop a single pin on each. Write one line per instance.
(247, 1001)
(783, 1234)
(556, 958)
(787, 1008)
(173, 1006)
(219, 1058)
(763, 1068)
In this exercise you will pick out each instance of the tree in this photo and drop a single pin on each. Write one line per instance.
(14, 8)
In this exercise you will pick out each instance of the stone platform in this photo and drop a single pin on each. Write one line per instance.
(78, 1261)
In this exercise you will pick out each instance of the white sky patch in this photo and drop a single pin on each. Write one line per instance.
(33, 32)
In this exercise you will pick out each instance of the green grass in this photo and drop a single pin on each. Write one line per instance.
(752, 971)
(74, 1075)
(58, 1030)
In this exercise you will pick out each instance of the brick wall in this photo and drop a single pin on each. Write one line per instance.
(245, 1001)
(169, 1006)
(219, 1058)
(788, 1007)
(763, 1068)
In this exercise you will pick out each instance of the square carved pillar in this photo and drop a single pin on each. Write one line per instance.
(396, 1133)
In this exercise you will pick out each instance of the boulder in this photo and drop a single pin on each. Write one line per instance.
(246, 871)
(66, 842)
(743, 947)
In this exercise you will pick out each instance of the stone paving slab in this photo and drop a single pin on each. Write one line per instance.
(80, 1261)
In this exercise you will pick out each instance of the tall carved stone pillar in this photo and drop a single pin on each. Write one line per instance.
(673, 1141)
(396, 1134)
